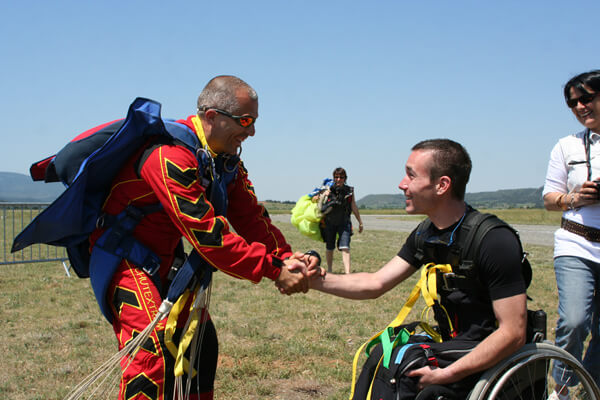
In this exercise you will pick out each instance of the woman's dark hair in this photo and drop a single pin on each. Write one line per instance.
(340, 171)
(590, 79)
(450, 159)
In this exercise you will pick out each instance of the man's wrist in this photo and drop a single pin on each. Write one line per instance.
(276, 265)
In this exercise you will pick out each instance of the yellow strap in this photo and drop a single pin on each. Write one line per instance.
(429, 281)
(373, 380)
(172, 322)
(427, 286)
(181, 363)
(200, 133)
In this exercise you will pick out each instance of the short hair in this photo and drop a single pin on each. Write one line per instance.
(590, 79)
(220, 92)
(340, 171)
(451, 159)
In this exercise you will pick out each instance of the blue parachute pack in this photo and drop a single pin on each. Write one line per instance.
(77, 212)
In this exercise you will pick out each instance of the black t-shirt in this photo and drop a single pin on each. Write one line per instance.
(337, 207)
(499, 271)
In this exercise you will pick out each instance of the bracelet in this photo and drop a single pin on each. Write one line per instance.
(572, 203)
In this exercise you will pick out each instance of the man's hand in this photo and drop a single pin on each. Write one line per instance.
(292, 278)
(430, 376)
(312, 262)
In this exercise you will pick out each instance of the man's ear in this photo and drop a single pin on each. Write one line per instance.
(210, 114)
(443, 185)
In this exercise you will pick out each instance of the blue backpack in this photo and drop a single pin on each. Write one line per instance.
(87, 166)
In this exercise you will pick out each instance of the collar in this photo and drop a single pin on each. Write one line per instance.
(200, 133)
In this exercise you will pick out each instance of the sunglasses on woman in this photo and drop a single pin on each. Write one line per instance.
(244, 121)
(583, 99)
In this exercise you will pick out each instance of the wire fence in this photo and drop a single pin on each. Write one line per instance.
(15, 217)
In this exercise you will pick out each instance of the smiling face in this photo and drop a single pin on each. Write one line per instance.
(339, 179)
(418, 188)
(587, 114)
(226, 135)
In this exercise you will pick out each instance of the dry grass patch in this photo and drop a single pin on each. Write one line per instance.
(271, 346)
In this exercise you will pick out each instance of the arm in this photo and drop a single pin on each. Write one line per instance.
(557, 196)
(250, 219)
(171, 172)
(356, 214)
(365, 285)
(558, 201)
(511, 313)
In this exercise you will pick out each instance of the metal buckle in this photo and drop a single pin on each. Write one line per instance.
(447, 284)
(100, 221)
(151, 270)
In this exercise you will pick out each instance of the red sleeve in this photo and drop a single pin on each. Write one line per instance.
(251, 219)
(171, 172)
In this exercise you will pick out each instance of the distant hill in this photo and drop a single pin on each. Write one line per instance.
(16, 187)
(507, 198)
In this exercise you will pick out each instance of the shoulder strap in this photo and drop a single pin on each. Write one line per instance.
(475, 226)
(420, 240)
(479, 224)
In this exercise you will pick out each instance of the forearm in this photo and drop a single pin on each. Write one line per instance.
(364, 285)
(511, 314)
(586, 195)
(357, 286)
(489, 352)
(356, 213)
(557, 201)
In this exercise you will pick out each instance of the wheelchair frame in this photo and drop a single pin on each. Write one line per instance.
(526, 375)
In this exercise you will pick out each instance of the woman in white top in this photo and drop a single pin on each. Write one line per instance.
(570, 188)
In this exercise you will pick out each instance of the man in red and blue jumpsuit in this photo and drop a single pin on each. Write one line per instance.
(168, 173)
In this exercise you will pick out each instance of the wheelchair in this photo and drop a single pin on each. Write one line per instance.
(526, 375)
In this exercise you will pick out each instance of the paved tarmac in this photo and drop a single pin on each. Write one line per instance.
(530, 234)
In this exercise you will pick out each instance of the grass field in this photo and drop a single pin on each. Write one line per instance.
(271, 346)
(529, 216)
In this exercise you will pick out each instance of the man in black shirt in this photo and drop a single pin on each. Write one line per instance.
(437, 172)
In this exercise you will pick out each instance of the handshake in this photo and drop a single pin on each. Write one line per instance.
(298, 270)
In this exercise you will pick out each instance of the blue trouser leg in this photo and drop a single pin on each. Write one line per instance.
(576, 279)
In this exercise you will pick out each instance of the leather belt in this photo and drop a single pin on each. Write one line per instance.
(591, 234)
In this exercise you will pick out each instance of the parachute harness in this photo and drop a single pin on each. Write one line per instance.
(427, 286)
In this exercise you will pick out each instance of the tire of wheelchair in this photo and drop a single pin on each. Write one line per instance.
(526, 375)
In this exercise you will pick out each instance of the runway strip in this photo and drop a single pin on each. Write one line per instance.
(542, 235)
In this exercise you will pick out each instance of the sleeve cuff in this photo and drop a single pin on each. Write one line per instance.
(274, 265)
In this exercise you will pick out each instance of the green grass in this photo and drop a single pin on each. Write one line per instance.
(271, 346)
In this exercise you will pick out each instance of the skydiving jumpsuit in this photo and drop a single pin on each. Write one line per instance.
(168, 173)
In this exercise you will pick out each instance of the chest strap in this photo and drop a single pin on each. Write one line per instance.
(118, 243)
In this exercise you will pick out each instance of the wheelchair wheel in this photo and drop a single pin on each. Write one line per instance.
(527, 375)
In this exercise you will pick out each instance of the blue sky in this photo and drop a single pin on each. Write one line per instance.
(341, 83)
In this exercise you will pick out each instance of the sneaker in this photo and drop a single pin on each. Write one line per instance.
(556, 396)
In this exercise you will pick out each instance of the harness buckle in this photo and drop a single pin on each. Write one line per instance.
(151, 269)
(100, 221)
(449, 282)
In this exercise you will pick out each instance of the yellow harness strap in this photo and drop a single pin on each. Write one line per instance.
(182, 364)
(427, 286)
(200, 133)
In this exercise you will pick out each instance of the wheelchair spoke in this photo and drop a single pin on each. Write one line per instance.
(527, 375)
